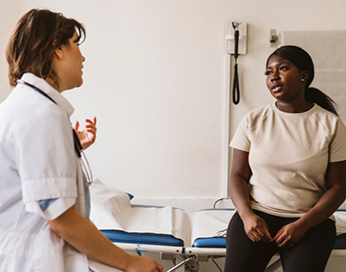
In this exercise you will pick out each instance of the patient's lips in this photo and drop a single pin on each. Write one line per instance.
(276, 88)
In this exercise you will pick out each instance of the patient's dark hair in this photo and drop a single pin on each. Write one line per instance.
(300, 58)
(33, 41)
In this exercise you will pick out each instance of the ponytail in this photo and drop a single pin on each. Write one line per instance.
(314, 95)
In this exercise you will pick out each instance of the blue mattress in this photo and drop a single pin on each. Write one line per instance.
(118, 236)
(214, 242)
(220, 242)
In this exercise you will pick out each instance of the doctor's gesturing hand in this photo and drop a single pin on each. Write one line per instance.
(87, 136)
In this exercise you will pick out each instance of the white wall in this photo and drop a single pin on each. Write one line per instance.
(156, 76)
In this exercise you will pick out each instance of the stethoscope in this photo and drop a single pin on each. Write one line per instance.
(77, 145)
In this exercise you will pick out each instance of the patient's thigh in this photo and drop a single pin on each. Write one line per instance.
(311, 254)
(99, 267)
(243, 255)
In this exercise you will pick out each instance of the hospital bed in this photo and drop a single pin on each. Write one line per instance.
(202, 249)
(183, 241)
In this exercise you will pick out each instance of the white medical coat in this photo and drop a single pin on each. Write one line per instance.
(37, 162)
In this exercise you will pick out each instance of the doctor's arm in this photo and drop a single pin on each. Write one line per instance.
(255, 227)
(86, 238)
(330, 201)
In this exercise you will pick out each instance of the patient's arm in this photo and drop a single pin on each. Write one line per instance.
(238, 183)
(254, 226)
(86, 238)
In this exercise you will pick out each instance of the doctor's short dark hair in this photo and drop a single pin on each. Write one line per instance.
(33, 41)
(303, 61)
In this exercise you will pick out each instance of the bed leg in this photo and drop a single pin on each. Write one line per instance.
(189, 261)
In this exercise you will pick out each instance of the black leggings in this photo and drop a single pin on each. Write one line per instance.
(311, 254)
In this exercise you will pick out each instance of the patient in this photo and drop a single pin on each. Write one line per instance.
(288, 173)
(44, 198)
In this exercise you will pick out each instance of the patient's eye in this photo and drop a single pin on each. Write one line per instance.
(268, 72)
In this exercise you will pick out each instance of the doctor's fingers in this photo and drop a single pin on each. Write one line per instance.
(144, 264)
(159, 267)
(91, 129)
(93, 121)
(90, 126)
(76, 126)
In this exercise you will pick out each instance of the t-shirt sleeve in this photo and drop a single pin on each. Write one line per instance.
(241, 138)
(337, 146)
(47, 164)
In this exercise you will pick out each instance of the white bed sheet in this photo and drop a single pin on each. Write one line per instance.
(111, 209)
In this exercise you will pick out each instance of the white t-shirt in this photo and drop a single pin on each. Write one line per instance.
(37, 163)
(288, 155)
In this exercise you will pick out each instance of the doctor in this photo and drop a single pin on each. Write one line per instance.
(44, 205)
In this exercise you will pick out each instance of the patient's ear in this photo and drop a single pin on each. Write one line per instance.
(305, 76)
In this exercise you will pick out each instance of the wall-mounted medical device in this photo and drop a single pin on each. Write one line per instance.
(230, 37)
(236, 44)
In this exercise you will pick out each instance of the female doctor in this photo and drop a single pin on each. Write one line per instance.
(44, 205)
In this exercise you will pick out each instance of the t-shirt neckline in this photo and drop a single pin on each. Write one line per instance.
(308, 112)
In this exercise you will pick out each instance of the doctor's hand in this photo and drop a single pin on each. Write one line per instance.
(144, 264)
(87, 136)
(256, 228)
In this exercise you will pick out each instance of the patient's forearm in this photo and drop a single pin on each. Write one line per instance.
(240, 196)
(325, 207)
(331, 199)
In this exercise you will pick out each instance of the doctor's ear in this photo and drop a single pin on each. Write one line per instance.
(58, 53)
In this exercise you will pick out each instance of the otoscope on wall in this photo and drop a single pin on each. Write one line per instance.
(236, 44)
(235, 89)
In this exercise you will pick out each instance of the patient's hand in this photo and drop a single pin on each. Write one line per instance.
(256, 229)
(289, 235)
(87, 136)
